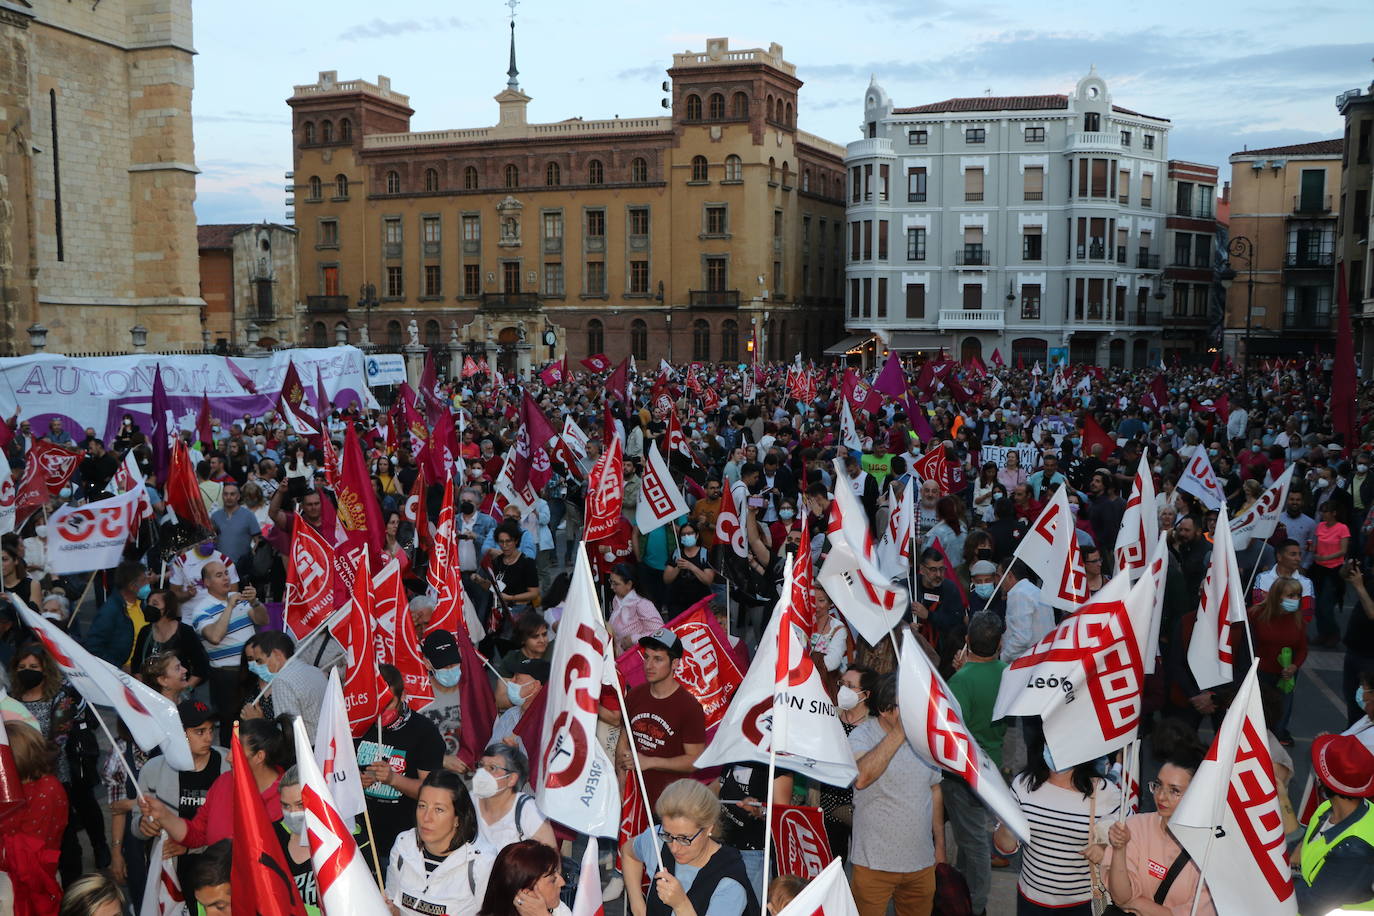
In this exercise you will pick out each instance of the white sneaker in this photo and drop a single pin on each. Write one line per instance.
(614, 888)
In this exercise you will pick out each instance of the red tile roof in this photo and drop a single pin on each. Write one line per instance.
(1006, 103)
(219, 235)
(1317, 148)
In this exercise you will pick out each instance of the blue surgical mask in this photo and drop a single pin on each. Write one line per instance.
(448, 677)
(1359, 696)
(1211, 453)
(259, 670)
(984, 589)
(689, 540)
(145, 591)
(1049, 761)
(513, 694)
(786, 514)
(1290, 605)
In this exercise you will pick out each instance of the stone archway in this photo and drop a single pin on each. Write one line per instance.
(507, 357)
(970, 350)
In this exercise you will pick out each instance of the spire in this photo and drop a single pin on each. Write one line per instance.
(513, 73)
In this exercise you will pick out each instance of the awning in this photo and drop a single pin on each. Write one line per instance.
(908, 341)
(848, 345)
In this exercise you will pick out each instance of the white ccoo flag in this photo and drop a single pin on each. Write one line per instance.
(1222, 604)
(1049, 547)
(849, 433)
(895, 548)
(334, 753)
(1139, 524)
(1262, 519)
(660, 500)
(162, 894)
(850, 573)
(827, 894)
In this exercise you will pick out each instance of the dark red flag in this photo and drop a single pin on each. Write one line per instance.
(476, 699)
(358, 509)
(205, 427)
(1343, 397)
(597, 362)
(619, 381)
(260, 880)
(183, 490)
(1094, 434)
(47, 469)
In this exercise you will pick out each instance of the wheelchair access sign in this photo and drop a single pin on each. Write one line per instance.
(384, 369)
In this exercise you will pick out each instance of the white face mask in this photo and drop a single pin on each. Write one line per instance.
(846, 697)
(484, 785)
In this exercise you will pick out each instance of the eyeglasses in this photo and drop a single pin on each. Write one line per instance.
(667, 837)
(932, 570)
(1154, 785)
(497, 770)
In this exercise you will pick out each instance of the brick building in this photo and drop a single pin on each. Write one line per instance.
(248, 281)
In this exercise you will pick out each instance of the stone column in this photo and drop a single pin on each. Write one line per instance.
(455, 352)
(415, 364)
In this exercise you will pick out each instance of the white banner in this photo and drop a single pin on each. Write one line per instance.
(89, 537)
(384, 369)
(1027, 455)
(1209, 650)
(660, 500)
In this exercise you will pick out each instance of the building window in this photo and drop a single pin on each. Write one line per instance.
(639, 221)
(867, 297)
(882, 239)
(639, 278)
(882, 297)
(393, 183)
(868, 240)
(1033, 183)
(553, 175)
(553, 279)
(1092, 122)
(788, 119)
(915, 244)
(717, 274)
(553, 225)
(1030, 301)
(391, 234)
(596, 172)
(699, 168)
(973, 184)
(431, 180)
(340, 185)
(393, 333)
(884, 179)
(1035, 135)
(973, 297)
(329, 233)
(329, 280)
(472, 279)
(470, 178)
(395, 282)
(1123, 187)
(777, 279)
(854, 298)
(432, 333)
(1147, 190)
(1148, 141)
(512, 176)
(639, 171)
(308, 135)
(1125, 138)
(716, 107)
(806, 179)
(855, 182)
(729, 341)
(430, 230)
(472, 227)
(975, 135)
(693, 107)
(739, 105)
(715, 220)
(316, 187)
(1031, 249)
(345, 129)
(326, 131)
(916, 300)
(639, 339)
(777, 224)
(917, 137)
(916, 185)
(734, 168)
(596, 280)
(433, 278)
(701, 341)
(596, 224)
(773, 171)
(855, 239)
(596, 337)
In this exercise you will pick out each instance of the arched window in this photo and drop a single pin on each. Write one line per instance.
(470, 178)
(788, 122)
(806, 179)
(729, 341)
(432, 334)
(308, 132)
(340, 185)
(734, 168)
(319, 335)
(701, 341)
(316, 187)
(739, 105)
(512, 176)
(596, 337)
(694, 107)
(393, 183)
(639, 339)
(786, 173)
(345, 129)
(431, 180)
(326, 131)
(699, 168)
(769, 109)
(639, 170)
(553, 175)
(772, 170)
(716, 106)
(596, 173)
(393, 333)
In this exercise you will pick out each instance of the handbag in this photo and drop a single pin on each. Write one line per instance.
(1102, 898)
(952, 897)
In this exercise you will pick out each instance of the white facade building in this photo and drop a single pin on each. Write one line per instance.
(1029, 224)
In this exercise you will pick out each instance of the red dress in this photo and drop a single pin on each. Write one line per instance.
(43, 814)
(30, 844)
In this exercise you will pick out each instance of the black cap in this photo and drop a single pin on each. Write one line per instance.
(536, 668)
(441, 649)
(194, 713)
(665, 639)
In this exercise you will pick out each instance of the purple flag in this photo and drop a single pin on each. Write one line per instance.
(157, 430)
(892, 380)
(919, 424)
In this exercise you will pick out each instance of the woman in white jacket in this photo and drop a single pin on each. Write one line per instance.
(436, 869)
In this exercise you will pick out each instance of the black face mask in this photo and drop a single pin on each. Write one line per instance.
(152, 614)
(984, 553)
(467, 507)
(29, 678)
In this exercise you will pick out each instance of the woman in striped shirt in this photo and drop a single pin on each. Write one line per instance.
(1061, 806)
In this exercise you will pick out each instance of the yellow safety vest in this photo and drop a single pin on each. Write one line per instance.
(1315, 847)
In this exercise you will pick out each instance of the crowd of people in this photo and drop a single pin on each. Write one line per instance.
(200, 624)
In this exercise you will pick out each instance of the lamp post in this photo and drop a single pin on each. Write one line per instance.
(138, 334)
(367, 301)
(38, 336)
(1241, 247)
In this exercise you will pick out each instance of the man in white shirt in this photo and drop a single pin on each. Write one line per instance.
(1029, 618)
(1287, 562)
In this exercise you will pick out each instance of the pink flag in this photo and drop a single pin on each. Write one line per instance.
(891, 381)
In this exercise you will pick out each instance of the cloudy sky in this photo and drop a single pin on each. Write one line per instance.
(1228, 76)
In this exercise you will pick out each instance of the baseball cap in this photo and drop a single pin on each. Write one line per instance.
(194, 713)
(983, 568)
(665, 639)
(1344, 765)
(441, 649)
(536, 668)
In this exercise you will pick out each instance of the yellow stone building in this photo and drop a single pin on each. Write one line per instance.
(97, 184)
(664, 237)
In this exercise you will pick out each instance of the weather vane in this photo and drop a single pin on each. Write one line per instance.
(512, 4)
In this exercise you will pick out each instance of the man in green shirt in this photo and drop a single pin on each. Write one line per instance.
(974, 686)
(879, 464)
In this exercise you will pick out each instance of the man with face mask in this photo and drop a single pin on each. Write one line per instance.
(983, 585)
(296, 689)
(445, 711)
(111, 633)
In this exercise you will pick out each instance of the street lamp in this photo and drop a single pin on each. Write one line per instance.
(367, 301)
(1241, 247)
(38, 336)
(139, 335)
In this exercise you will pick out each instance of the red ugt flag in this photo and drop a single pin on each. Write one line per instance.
(259, 876)
(363, 686)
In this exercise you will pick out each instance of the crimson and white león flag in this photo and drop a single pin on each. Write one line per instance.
(576, 784)
(1222, 604)
(151, 718)
(936, 731)
(162, 893)
(851, 575)
(660, 500)
(1051, 549)
(828, 894)
(1085, 678)
(334, 750)
(1262, 519)
(345, 884)
(894, 550)
(1229, 818)
(1200, 480)
(730, 522)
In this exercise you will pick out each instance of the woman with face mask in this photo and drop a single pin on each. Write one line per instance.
(837, 804)
(1276, 625)
(689, 576)
(505, 814)
(165, 633)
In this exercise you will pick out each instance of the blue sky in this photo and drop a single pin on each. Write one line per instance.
(1228, 76)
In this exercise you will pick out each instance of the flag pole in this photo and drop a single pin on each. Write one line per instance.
(296, 654)
(128, 770)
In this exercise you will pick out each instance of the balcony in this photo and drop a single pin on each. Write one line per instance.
(1146, 261)
(1097, 251)
(972, 256)
(1194, 211)
(1311, 203)
(1308, 260)
(972, 319)
(1147, 319)
(1306, 319)
(1094, 140)
(1121, 254)
(326, 303)
(713, 298)
(510, 302)
(872, 146)
(1183, 320)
